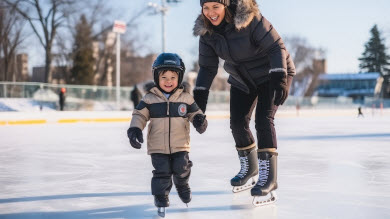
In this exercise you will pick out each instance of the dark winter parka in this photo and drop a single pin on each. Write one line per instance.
(250, 46)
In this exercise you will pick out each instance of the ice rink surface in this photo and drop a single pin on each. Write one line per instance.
(329, 167)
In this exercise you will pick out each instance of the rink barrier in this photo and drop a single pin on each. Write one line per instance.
(83, 120)
(26, 122)
(94, 120)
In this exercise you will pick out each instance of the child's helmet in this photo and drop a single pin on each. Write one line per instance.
(168, 61)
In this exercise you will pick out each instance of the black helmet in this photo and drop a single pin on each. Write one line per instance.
(168, 61)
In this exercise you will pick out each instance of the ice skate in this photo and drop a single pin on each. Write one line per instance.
(264, 200)
(184, 193)
(161, 202)
(246, 178)
(183, 188)
(161, 211)
(264, 190)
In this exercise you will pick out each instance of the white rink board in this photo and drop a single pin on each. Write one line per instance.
(329, 167)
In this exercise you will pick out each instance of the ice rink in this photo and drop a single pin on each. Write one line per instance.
(329, 167)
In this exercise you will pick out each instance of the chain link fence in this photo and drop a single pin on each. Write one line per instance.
(83, 97)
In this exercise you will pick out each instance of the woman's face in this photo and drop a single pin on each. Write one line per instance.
(214, 11)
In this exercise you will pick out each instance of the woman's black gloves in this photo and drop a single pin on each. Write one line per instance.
(135, 137)
(200, 123)
(200, 97)
(278, 85)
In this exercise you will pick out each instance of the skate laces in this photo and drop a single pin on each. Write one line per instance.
(244, 167)
(263, 172)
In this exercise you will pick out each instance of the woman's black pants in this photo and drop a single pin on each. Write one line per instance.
(241, 108)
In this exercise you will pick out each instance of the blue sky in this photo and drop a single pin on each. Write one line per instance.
(341, 27)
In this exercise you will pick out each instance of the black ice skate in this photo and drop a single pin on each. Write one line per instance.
(184, 193)
(246, 178)
(161, 202)
(266, 183)
(182, 187)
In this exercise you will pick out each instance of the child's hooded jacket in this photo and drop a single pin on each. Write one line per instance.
(169, 128)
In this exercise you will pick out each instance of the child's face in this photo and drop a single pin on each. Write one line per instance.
(168, 81)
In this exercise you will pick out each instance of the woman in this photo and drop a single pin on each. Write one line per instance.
(261, 72)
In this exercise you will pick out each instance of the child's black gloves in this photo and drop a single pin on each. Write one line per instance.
(200, 123)
(278, 84)
(135, 136)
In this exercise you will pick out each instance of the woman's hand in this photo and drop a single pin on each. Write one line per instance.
(201, 97)
(278, 85)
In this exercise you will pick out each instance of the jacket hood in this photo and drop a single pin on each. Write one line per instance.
(246, 11)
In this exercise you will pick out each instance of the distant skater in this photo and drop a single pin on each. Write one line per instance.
(360, 113)
(62, 98)
(135, 96)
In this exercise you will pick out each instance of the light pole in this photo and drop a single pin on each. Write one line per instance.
(119, 28)
(163, 9)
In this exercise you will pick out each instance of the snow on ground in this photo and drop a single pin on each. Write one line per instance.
(329, 167)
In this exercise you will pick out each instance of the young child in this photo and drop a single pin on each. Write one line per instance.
(170, 108)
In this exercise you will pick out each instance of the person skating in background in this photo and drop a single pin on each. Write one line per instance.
(169, 107)
(135, 96)
(360, 113)
(261, 72)
(62, 98)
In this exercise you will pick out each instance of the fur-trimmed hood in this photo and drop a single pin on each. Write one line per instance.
(246, 11)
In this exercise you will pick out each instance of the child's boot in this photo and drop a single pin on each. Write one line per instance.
(161, 200)
(184, 193)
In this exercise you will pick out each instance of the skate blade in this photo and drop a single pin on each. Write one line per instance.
(161, 211)
(259, 200)
(249, 184)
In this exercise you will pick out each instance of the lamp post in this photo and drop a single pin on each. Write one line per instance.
(118, 28)
(163, 9)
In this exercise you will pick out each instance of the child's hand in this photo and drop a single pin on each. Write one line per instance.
(135, 134)
(200, 123)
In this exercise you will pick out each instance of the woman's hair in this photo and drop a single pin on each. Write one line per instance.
(228, 18)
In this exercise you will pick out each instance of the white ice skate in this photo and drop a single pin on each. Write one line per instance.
(264, 191)
(248, 174)
(249, 184)
(262, 200)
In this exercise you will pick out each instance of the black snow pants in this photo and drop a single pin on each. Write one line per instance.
(241, 108)
(165, 166)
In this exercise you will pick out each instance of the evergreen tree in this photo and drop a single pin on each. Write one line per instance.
(374, 58)
(83, 61)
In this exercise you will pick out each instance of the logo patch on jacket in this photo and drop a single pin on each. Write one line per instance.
(182, 110)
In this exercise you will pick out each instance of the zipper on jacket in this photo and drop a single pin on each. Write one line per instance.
(169, 129)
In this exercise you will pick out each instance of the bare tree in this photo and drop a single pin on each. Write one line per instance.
(45, 20)
(309, 62)
(131, 43)
(301, 51)
(11, 37)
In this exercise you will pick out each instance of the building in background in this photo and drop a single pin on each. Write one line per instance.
(59, 74)
(357, 86)
(18, 69)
